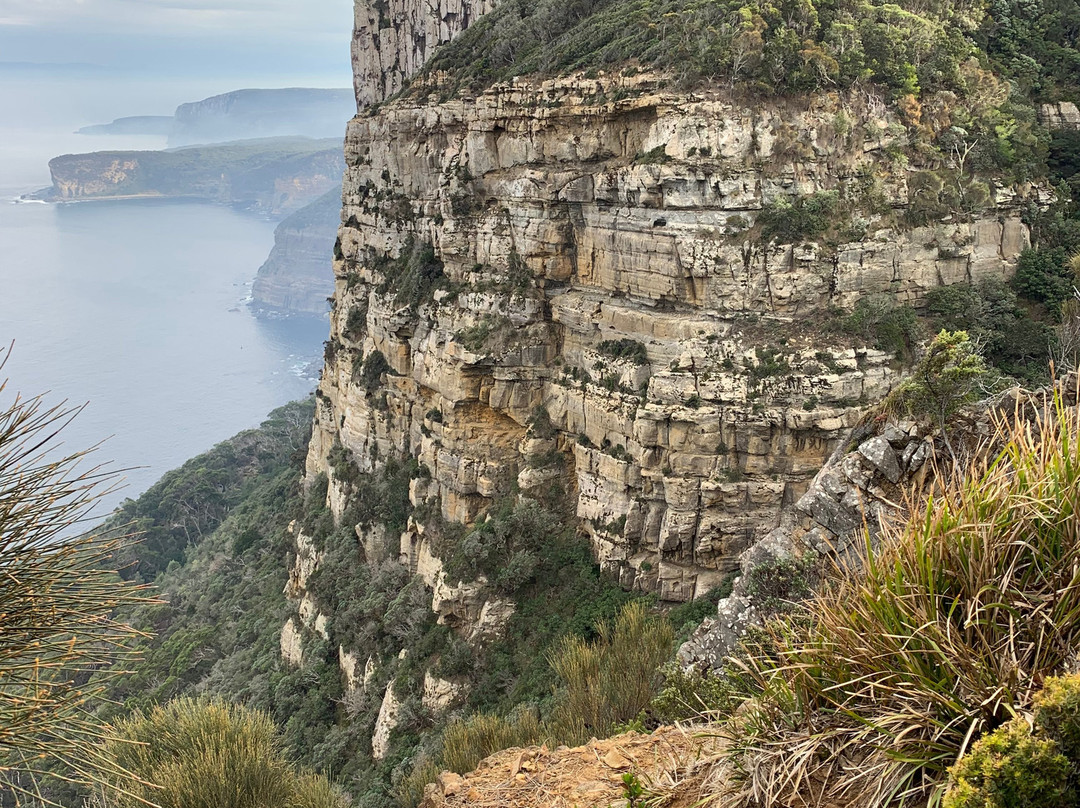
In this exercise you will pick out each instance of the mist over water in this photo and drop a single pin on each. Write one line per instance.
(135, 308)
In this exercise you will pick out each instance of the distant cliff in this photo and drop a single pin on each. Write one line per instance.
(298, 276)
(263, 113)
(273, 176)
(135, 125)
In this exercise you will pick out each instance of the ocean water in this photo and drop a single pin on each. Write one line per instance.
(135, 309)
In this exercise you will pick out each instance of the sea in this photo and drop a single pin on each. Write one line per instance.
(134, 311)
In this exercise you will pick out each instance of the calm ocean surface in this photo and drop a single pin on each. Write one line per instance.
(134, 308)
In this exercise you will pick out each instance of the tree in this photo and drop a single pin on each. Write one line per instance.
(58, 595)
(947, 377)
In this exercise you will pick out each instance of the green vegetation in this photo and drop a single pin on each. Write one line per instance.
(1025, 764)
(187, 505)
(879, 320)
(1010, 768)
(57, 596)
(1014, 342)
(199, 753)
(629, 349)
(800, 219)
(902, 659)
(244, 172)
(948, 376)
(413, 277)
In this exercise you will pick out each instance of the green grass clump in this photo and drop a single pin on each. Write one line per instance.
(198, 754)
(941, 636)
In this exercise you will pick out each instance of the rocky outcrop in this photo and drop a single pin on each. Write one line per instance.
(674, 761)
(272, 177)
(388, 720)
(568, 281)
(864, 486)
(392, 39)
(298, 276)
(1060, 116)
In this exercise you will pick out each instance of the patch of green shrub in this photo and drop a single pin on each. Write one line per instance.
(198, 753)
(413, 277)
(879, 320)
(629, 349)
(692, 694)
(372, 369)
(1057, 714)
(610, 681)
(1011, 768)
(800, 219)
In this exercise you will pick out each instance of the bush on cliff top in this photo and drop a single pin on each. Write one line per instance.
(947, 632)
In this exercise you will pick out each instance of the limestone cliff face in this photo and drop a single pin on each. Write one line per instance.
(392, 39)
(568, 284)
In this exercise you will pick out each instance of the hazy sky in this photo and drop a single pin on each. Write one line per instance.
(245, 37)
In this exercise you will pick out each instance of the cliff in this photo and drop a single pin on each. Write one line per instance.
(245, 114)
(602, 261)
(297, 276)
(393, 39)
(134, 125)
(635, 306)
(274, 176)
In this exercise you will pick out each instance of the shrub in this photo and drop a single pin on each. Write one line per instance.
(1010, 768)
(466, 743)
(192, 753)
(803, 218)
(691, 694)
(950, 375)
(893, 329)
(609, 682)
(779, 584)
(629, 349)
(1057, 713)
(372, 370)
(904, 656)
(1045, 276)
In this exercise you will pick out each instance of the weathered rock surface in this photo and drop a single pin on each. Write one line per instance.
(1060, 116)
(673, 760)
(392, 39)
(389, 714)
(865, 484)
(566, 222)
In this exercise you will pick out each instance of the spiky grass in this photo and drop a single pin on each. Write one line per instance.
(941, 634)
(200, 754)
(58, 597)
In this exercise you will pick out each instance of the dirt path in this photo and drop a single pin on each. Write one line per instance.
(591, 776)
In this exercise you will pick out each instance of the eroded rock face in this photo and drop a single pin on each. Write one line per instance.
(389, 714)
(392, 40)
(591, 250)
(862, 488)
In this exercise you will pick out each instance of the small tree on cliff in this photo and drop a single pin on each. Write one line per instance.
(949, 375)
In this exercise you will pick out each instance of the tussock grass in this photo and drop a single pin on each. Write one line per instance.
(946, 633)
(197, 754)
(609, 682)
